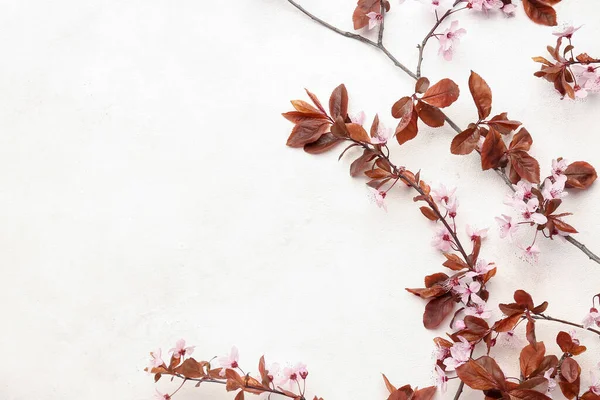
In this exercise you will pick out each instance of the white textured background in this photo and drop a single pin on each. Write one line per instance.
(147, 193)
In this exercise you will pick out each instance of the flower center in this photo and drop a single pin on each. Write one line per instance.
(234, 364)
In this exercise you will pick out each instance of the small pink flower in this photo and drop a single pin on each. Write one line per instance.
(580, 93)
(474, 233)
(156, 359)
(375, 19)
(442, 239)
(449, 39)
(382, 135)
(452, 208)
(378, 197)
(523, 190)
(554, 190)
(551, 381)
(593, 317)
(160, 396)
(573, 334)
(459, 324)
(559, 168)
(482, 267)
(467, 289)
(595, 386)
(291, 375)
(485, 5)
(230, 361)
(507, 228)
(441, 380)
(509, 9)
(180, 350)
(358, 118)
(478, 308)
(459, 354)
(531, 253)
(528, 211)
(509, 336)
(443, 196)
(567, 31)
(302, 371)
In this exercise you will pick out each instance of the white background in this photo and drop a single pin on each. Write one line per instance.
(147, 193)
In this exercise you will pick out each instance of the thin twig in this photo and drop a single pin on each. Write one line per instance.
(413, 75)
(224, 382)
(459, 390)
(562, 321)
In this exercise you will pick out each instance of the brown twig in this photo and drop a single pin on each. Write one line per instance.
(562, 321)
(379, 45)
(431, 33)
(224, 382)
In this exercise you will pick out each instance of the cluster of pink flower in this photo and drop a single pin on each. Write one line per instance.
(288, 377)
(527, 206)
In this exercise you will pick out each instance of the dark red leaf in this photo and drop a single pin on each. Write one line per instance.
(539, 12)
(580, 175)
(442, 94)
(338, 102)
(492, 150)
(410, 130)
(466, 141)
(323, 144)
(482, 95)
(437, 310)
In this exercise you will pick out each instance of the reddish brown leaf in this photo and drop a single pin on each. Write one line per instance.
(360, 164)
(391, 388)
(316, 102)
(422, 85)
(539, 12)
(297, 117)
(492, 150)
(561, 225)
(507, 324)
(454, 262)
(482, 95)
(482, 374)
(363, 7)
(475, 329)
(523, 298)
(466, 141)
(338, 102)
(374, 126)
(426, 393)
(570, 369)
(567, 345)
(570, 390)
(358, 133)
(530, 332)
(522, 141)
(304, 107)
(307, 132)
(429, 213)
(430, 115)
(580, 175)
(323, 144)
(531, 357)
(377, 173)
(409, 132)
(525, 166)
(437, 310)
(442, 94)
(240, 395)
(589, 395)
(402, 107)
(527, 394)
(502, 124)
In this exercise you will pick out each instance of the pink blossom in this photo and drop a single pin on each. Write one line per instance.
(573, 334)
(161, 396)
(531, 253)
(452, 208)
(523, 190)
(480, 143)
(528, 211)
(580, 93)
(459, 324)
(459, 354)
(180, 350)
(302, 371)
(559, 167)
(442, 239)
(441, 380)
(481, 267)
(375, 19)
(378, 197)
(485, 5)
(478, 308)
(272, 371)
(567, 31)
(441, 352)
(443, 196)
(474, 233)
(358, 118)
(449, 39)
(156, 359)
(593, 317)
(509, 9)
(507, 228)
(230, 361)
(551, 381)
(382, 135)
(467, 289)
(595, 386)
(291, 375)
(554, 190)
(509, 336)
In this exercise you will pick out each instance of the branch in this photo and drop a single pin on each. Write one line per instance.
(224, 382)
(431, 33)
(413, 75)
(562, 321)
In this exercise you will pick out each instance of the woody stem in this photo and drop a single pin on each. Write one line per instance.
(562, 321)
